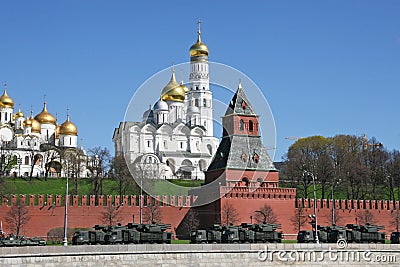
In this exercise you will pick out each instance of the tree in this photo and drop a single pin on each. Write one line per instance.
(364, 217)
(229, 214)
(7, 160)
(299, 219)
(191, 221)
(74, 160)
(17, 218)
(110, 215)
(99, 161)
(49, 157)
(267, 215)
(152, 214)
(392, 166)
(121, 173)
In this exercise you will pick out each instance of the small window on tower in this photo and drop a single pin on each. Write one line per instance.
(243, 104)
(197, 88)
(255, 158)
(148, 143)
(196, 102)
(241, 125)
(204, 88)
(244, 157)
(250, 125)
(181, 145)
(204, 103)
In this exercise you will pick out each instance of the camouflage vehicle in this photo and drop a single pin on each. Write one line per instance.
(211, 235)
(260, 233)
(365, 233)
(20, 241)
(306, 236)
(81, 238)
(395, 238)
(154, 233)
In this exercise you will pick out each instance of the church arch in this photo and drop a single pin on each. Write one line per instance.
(241, 125)
(246, 181)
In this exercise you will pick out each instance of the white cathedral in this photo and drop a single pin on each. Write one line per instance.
(21, 138)
(177, 133)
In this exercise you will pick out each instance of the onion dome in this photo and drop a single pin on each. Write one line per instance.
(35, 125)
(5, 100)
(199, 49)
(68, 128)
(173, 91)
(160, 105)
(19, 114)
(45, 116)
(27, 123)
(148, 115)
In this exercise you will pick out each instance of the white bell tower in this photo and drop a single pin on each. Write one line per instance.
(199, 94)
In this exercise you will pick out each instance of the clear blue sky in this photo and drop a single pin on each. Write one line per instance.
(325, 67)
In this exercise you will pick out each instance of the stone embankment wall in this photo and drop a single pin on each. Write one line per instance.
(204, 255)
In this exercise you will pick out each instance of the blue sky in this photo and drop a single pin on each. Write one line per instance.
(325, 67)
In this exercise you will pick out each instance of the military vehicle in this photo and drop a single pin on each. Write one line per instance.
(331, 234)
(154, 233)
(395, 238)
(365, 233)
(211, 235)
(20, 241)
(113, 234)
(81, 238)
(306, 236)
(260, 233)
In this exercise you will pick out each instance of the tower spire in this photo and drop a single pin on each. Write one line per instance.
(198, 31)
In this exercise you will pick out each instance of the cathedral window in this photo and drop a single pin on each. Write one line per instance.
(5, 116)
(241, 125)
(165, 144)
(244, 157)
(26, 160)
(243, 104)
(250, 125)
(181, 145)
(196, 102)
(197, 88)
(204, 103)
(148, 143)
(204, 88)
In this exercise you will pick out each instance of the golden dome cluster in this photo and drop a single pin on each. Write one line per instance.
(173, 91)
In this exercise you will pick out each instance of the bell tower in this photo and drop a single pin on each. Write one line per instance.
(199, 94)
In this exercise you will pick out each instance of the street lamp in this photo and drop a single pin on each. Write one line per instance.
(315, 207)
(265, 216)
(65, 241)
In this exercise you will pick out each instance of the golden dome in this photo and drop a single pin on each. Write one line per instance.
(27, 123)
(19, 114)
(68, 127)
(35, 125)
(45, 116)
(199, 49)
(173, 91)
(5, 100)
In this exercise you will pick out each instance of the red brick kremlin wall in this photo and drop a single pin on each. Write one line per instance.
(47, 212)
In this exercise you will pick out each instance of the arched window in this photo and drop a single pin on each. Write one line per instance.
(256, 158)
(204, 103)
(26, 160)
(241, 125)
(196, 102)
(246, 181)
(250, 125)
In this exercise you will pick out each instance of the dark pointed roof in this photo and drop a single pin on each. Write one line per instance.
(240, 104)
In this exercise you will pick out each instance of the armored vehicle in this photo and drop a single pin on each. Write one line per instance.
(211, 235)
(331, 234)
(365, 233)
(154, 233)
(113, 234)
(20, 241)
(260, 233)
(305, 236)
(81, 238)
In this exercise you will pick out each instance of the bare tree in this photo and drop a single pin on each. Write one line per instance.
(191, 221)
(110, 215)
(395, 222)
(229, 214)
(299, 219)
(99, 161)
(17, 218)
(120, 173)
(75, 158)
(49, 157)
(152, 214)
(266, 215)
(364, 217)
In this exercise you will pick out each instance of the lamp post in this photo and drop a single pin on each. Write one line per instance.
(65, 241)
(265, 216)
(315, 207)
(333, 202)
